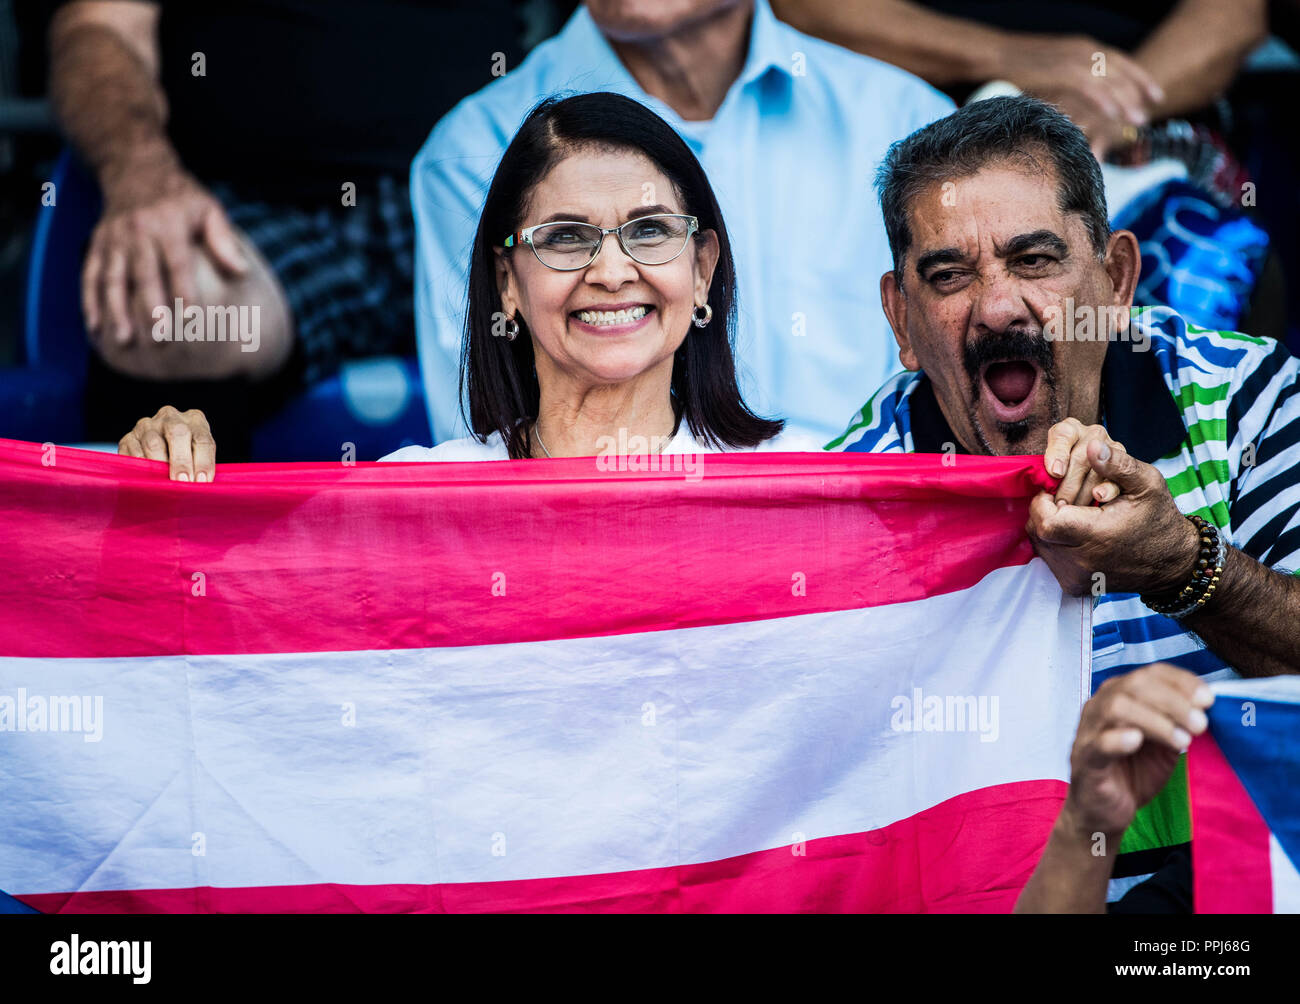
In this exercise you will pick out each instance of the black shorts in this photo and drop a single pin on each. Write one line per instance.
(346, 271)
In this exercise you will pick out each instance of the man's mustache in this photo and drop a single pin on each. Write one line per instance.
(1016, 344)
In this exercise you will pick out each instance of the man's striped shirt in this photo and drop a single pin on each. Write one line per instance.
(1218, 414)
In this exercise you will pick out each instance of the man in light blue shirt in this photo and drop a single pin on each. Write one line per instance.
(790, 142)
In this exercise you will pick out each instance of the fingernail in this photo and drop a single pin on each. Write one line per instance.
(1058, 468)
(1132, 739)
(1197, 720)
(1104, 453)
(1061, 502)
(1203, 696)
(183, 476)
(201, 476)
(1181, 739)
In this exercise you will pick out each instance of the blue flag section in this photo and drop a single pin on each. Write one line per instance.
(1263, 746)
(10, 905)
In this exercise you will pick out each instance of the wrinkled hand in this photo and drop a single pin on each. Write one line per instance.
(1130, 734)
(182, 438)
(1139, 541)
(142, 251)
(1066, 457)
(1061, 70)
(1105, 134)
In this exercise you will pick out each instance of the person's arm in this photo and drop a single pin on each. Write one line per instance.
(104, 84)
(1253, 623)
(1242, 623)
(1196, 51)
(1070, 877)
(105, 93)
(1127, 745)
(1143, 544)
(1101, 88)
(938, 48)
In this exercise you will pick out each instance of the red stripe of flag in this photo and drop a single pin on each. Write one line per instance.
(1231, 871)
(970, 854)
(104, 556)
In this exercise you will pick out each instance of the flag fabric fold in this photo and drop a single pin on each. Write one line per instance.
(750, 682)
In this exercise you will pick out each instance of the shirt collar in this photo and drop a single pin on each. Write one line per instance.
(1137, 407)
(772, 45)
(1140, 412)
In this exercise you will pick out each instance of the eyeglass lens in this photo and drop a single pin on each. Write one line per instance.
(651, 240)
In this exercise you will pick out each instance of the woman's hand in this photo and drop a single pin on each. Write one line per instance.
(182, 438)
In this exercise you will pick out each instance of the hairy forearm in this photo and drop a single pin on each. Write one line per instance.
(937, 48)
(1252, 621)
(1070, 877)
(107, 101)
(1197, 51)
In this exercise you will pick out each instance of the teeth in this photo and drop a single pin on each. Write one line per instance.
(611, 316)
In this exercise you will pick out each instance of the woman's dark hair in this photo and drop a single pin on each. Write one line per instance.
(498, 375)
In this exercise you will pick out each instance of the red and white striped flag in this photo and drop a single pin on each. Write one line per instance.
(769, 682)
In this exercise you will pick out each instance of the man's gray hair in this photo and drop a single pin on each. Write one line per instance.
(1019, 129)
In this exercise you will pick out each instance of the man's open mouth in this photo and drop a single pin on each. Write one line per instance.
(1010, 388)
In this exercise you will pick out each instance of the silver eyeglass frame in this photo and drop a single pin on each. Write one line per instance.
(525, 236)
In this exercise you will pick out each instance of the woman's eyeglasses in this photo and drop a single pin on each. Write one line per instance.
(566, 247)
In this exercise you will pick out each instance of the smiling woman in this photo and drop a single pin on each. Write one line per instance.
(601, 305)
(601, 244)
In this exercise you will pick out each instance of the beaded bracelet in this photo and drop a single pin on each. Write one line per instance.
(1205, 576)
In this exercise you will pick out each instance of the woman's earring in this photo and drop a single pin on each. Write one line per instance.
(698, 320)
(512, 329)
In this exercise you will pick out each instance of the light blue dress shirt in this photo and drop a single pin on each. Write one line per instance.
(791, 155)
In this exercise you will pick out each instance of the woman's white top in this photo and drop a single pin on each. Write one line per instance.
(470, 448)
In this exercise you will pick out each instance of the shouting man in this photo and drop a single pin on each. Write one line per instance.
(1177, 448)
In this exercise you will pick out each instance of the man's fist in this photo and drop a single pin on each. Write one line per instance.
(1139, 541)
(1066, 457)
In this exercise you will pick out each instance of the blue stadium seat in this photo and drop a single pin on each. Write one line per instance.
(375, 404)
(41, 400)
